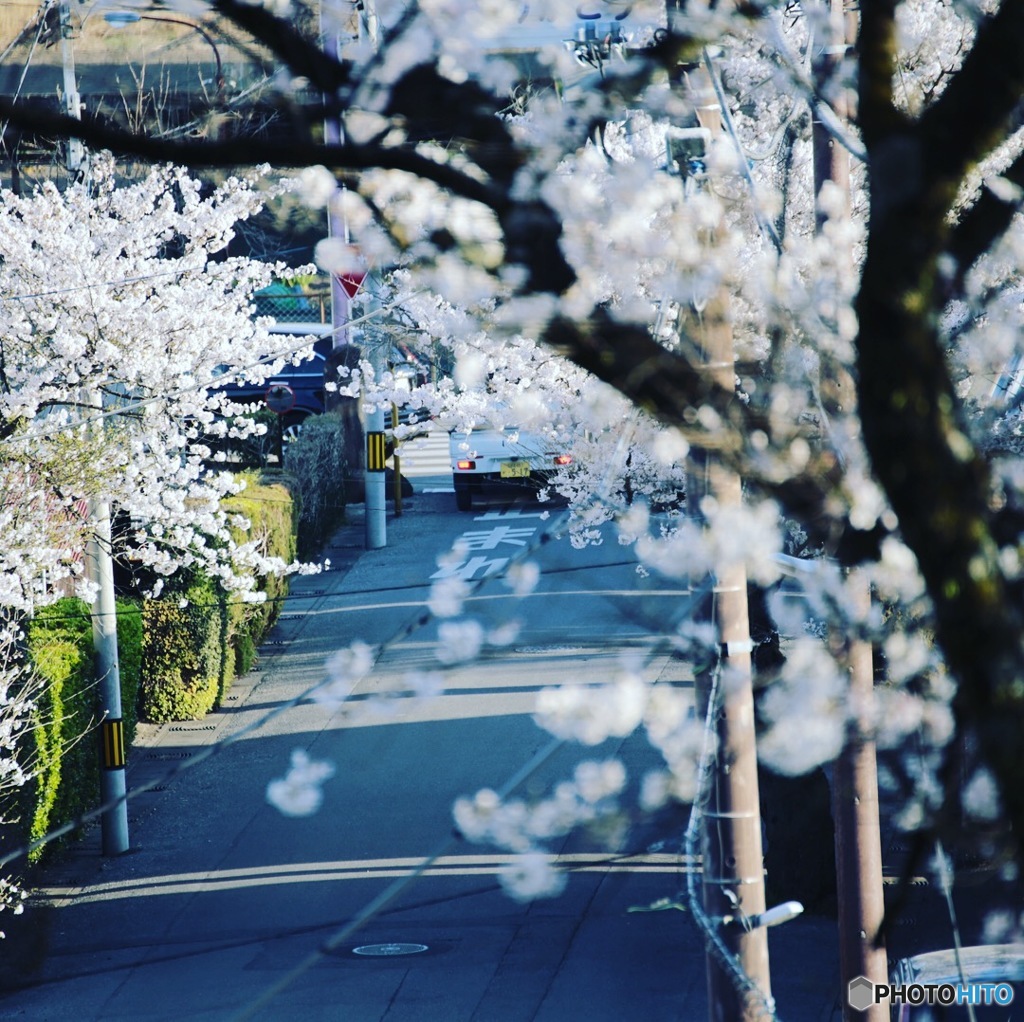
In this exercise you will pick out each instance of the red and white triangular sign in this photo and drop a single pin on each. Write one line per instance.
(351, 281)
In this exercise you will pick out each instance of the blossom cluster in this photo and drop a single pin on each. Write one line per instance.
(300, 791)
(121, 319)
(590, 799)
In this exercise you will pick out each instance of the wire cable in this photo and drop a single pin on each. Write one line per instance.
(708, 926)
(101, 283)
(767, 227)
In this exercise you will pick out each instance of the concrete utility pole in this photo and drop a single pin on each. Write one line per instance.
(858, 834)
(861, 900)
(372, 458)
(376, 488)
(72, 103)
(733, 860)
(99, 564)
(113, 755)
(733, 873)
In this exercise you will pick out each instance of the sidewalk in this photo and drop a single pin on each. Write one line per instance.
(154, 762)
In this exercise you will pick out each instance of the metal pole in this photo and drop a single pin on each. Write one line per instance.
(343, 345)
(397, 462)
(376, 487)
(376, 490)
(376, 529)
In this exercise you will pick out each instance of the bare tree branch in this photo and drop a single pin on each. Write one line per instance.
(971, 117)
(240, 152)
(985, 222)
(301, 55)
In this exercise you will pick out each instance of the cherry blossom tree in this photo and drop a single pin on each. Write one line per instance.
(120, 317)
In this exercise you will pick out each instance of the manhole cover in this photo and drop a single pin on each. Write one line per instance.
(381, 950)
(550, 649)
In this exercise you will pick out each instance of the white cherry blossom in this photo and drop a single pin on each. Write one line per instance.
(532, 875)
(300, 791)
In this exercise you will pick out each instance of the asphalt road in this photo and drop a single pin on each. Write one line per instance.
(220, 908)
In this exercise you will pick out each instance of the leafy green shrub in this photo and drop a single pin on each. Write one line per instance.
(60, 648)
(175, 655)
(270, 512)
(197, 637)
(315, 468)
(182, 650)
(129, 657)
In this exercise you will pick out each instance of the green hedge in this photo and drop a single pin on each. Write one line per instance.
(315, 468)
(129, 656)
(177, 656)
(197, 638)
(182, 650)
(62, 744)
(273, 522)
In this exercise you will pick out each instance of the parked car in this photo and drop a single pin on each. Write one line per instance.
(305, 380)
(508, 457)
(1001, 964)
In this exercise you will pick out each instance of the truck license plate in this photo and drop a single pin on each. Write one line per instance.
(515, 469)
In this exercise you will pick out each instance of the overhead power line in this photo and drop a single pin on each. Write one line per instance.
(100, 283)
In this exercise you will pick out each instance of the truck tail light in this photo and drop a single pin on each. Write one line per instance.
(563, 459)
(465, 465)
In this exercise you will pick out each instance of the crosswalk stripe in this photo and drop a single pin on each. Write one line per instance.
(426, 455)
